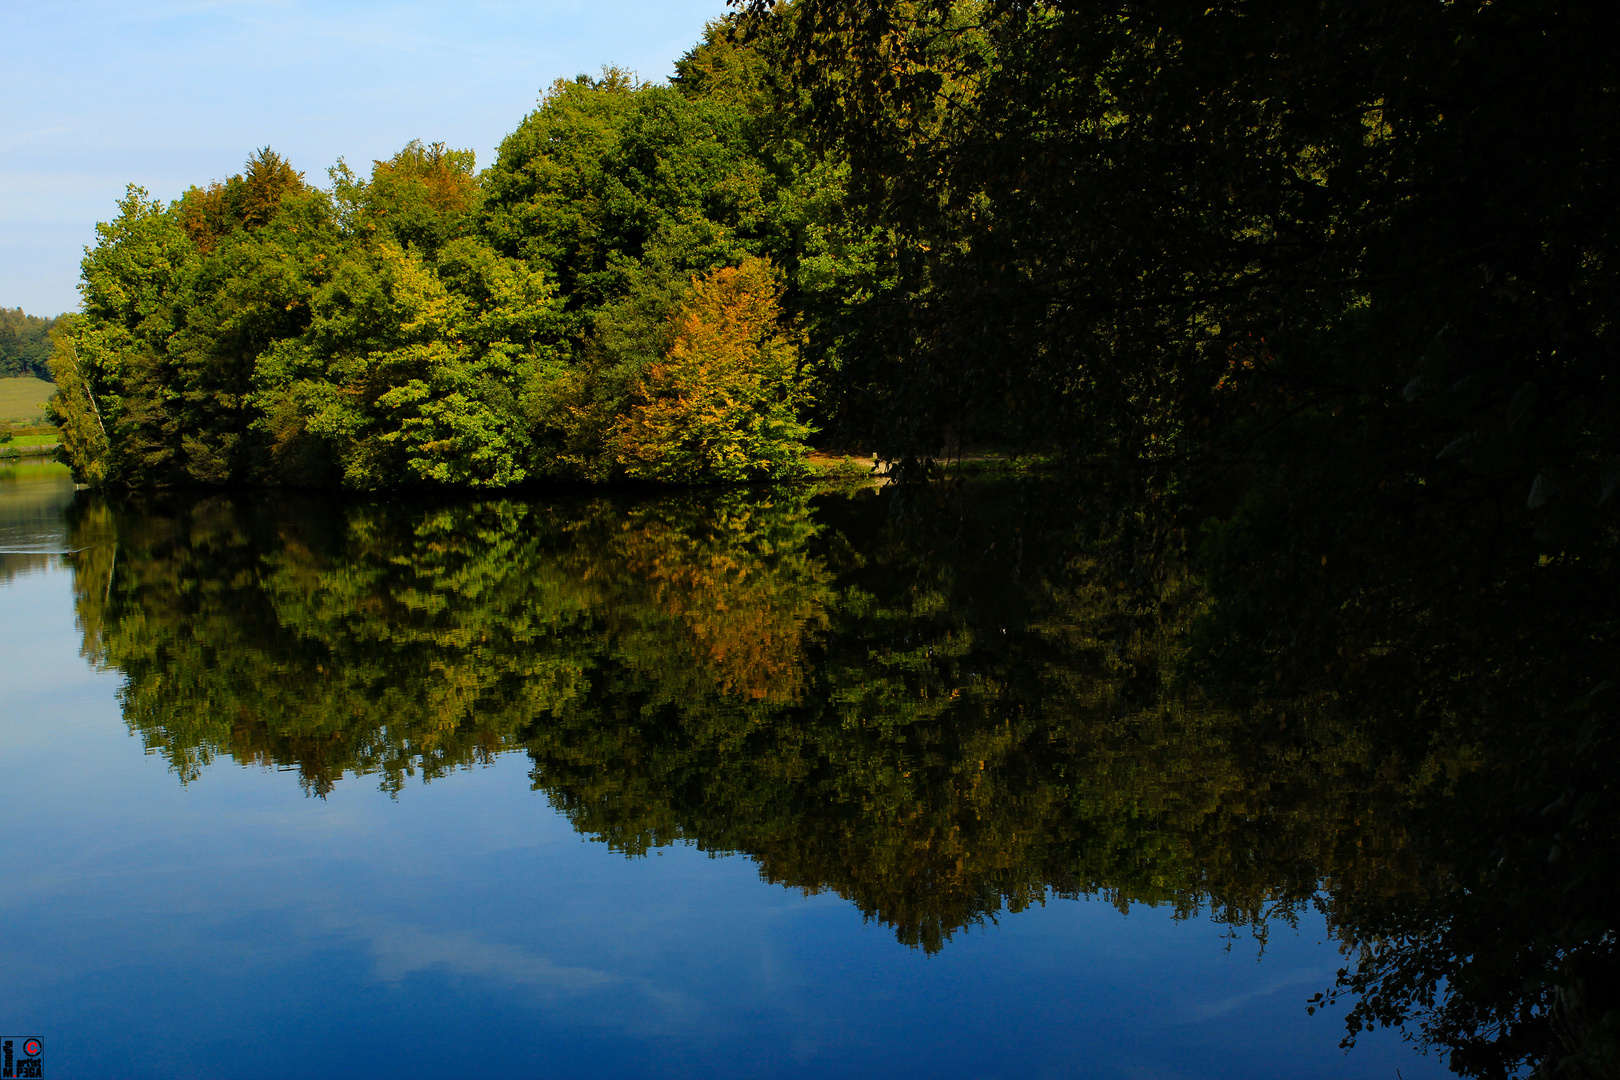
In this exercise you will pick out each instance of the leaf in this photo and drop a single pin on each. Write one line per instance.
(1609, 479)
(1520, 406)
(1459, 446)
(1540, 490)
(1584, 703)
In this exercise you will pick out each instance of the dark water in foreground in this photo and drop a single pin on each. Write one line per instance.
(756, 784)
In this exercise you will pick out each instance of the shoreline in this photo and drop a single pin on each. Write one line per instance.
(12, 453)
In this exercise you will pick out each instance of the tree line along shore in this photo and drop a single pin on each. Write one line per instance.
(624, 294)
(1196, 247)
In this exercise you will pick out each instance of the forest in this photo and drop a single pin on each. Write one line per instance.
(621, 295)
(1194, 247)
(25, 344)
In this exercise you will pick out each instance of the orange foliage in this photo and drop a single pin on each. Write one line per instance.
(747, 624)
(723, 402)
(445, 176)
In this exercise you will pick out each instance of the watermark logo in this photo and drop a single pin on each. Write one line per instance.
(19, 1056)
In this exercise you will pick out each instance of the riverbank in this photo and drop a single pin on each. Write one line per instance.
(19, 449)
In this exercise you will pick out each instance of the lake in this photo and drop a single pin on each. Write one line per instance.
(785, 782)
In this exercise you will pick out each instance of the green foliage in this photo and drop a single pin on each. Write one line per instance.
(25, 346)
(1176, 239)
(414, 372)
(429, 325)
(128, 422)
(421, 197)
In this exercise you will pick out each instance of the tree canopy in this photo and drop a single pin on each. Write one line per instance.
(25, 344)
(574, 312)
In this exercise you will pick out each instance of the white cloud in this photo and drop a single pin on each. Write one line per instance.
(402, 950)
(1286, 980)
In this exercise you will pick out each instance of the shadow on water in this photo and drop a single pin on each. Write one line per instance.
(941, 705)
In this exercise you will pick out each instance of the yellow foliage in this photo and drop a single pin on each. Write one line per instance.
(723, 402)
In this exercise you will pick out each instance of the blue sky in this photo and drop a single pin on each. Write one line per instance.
(95, 95)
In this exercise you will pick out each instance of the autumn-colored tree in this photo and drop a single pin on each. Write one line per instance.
(421, 196)
(267, 180)
(723, 402)
(248, 200)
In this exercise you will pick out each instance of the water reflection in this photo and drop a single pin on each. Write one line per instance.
(936, 710)
(936, 704)
(33, 499)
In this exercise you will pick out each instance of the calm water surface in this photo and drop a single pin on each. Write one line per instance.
(745, 784)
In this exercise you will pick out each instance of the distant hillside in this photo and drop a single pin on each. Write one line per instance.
(25, 344)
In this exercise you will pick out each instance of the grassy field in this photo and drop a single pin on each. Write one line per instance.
(29, 440)
(21, 399)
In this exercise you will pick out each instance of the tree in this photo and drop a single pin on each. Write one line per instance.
(723, 403)
(428, 325)
(412, 372)
(25, 346)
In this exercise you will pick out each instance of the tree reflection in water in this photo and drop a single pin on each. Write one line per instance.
(940, 705)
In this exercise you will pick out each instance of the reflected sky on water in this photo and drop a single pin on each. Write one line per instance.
(244, 923)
